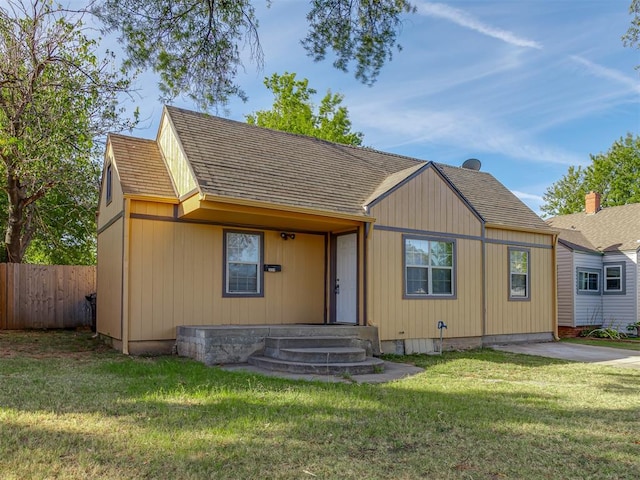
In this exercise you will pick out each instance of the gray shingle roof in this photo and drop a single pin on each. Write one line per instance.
(610, 229)
(237, 160)
(140, 166)
(491, 199)
(575, 240)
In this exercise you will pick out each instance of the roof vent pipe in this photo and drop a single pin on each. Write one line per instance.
(472, 164)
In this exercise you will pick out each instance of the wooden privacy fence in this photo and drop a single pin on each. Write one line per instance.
(45, 296)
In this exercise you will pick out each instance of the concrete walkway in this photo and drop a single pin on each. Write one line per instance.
(392, 371)
(578, 353)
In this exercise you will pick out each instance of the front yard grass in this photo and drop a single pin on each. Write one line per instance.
(630, 343)
(71, 409)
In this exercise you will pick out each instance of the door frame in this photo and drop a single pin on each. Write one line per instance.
(334, 270)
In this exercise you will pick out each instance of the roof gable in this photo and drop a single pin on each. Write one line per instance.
(610, 229)
(140, 167)
(496, 204)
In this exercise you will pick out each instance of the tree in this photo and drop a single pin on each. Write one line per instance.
(632, 37)
(56, 96)
(293, 111)
(614, 174)
(195, 45)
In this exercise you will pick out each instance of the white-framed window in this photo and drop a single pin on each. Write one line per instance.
(518, 274)
(428, 267)
(614, 274)
(243, 263)
(588, 281)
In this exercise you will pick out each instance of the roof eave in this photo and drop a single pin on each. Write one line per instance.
(515, 228)
(286, 208)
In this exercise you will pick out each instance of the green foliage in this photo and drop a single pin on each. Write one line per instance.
(196, 46)
(604, 332)
(56, 97)
(632, 37)
(293, 111)
(363, 31)
(614, 174)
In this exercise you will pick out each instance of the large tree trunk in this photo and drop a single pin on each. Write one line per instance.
(16, 220)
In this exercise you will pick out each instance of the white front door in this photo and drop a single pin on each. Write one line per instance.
(346, 289)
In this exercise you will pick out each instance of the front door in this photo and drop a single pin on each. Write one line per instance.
(346, 284)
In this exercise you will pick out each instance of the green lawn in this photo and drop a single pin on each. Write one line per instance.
(72, 409)
(631, 343)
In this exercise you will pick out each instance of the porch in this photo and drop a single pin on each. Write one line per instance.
(230, 344)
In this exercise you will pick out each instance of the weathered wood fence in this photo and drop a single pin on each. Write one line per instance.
(45, 296)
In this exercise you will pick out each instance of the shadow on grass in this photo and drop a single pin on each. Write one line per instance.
(175, 418)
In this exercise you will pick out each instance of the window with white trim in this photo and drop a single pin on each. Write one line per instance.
(614, 278)
(243, 260)
(428, 267)
(588, 281)
(518, 274)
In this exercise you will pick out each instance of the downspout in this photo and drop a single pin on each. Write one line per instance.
(554, 284)
(125, 277)
(483, 256)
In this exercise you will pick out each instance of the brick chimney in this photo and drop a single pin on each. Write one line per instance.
(592, 203)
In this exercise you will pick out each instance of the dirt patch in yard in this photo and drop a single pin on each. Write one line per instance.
(73, 344)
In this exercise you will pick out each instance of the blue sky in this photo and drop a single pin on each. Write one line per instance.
(529, 87)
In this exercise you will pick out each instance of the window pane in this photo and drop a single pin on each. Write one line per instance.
(518, 285)
(588, 281)
(613, 278)
(243, 278)
(518, 261)
(417, 252)
(242, 247)
(442, 254)
(417, 281)
(592, 282)
(441, 281)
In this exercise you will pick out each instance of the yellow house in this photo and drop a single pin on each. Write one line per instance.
(221, 223)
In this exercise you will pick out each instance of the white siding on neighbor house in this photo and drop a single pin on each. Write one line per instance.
(565, 286)
(620, 310)
(589, 309)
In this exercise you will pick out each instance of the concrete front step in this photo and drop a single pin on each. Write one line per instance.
(309, 342)
(320, 354)
(369, 365)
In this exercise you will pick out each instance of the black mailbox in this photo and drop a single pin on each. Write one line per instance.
(272, 268)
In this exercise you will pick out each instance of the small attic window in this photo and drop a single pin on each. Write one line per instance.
(109, 182)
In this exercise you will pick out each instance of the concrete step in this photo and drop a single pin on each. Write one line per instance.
(320, 354)
(310, 342)
(369, 365)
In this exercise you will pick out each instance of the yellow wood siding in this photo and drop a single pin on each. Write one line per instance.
(176, 275)
(506, 316)
(399, 318)
(426, 203)
(109, 211)
(175, 158)
(109, 300)
(519, 237)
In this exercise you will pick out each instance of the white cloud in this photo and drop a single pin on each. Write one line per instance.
(609, 73)
(527, 196)
(464, 19)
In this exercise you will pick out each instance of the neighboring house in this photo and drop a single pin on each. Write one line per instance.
(218, 222)
(598, 266)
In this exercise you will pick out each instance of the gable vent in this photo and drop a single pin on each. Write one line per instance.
(472, 164)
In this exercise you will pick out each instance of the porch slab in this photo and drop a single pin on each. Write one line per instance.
(231, 344)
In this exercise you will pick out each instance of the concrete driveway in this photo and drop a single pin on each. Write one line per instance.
(578, 353)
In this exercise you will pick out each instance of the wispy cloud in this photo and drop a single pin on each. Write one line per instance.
(608, 73)
(527, 196)
(464, 19)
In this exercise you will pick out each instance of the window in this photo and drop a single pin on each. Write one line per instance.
(518, 274)
(243, 260)
(109, 185)
(428, 268)
(614, 274)
(588, 281)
